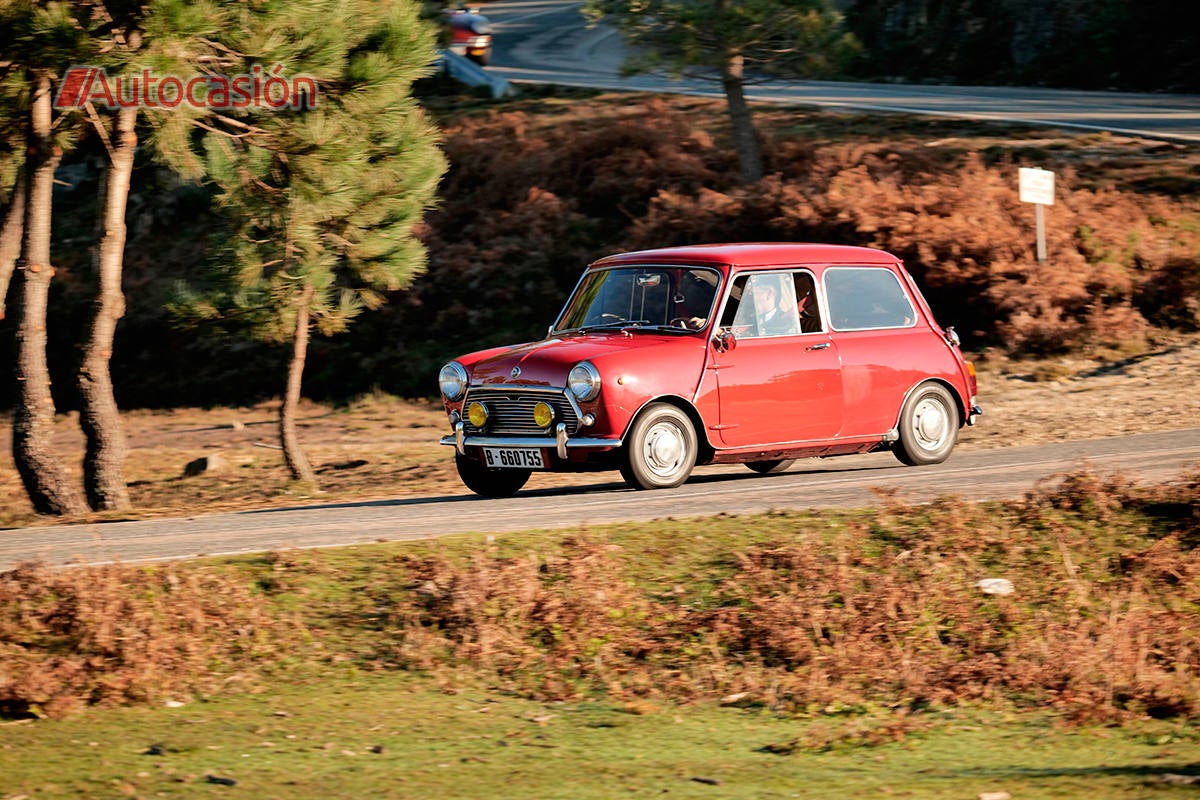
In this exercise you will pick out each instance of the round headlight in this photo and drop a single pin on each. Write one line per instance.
(543, 414)
(584, 381)
(453, 380)
(477, 414)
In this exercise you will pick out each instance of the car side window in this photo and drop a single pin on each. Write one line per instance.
(762, 305)
(866, 298)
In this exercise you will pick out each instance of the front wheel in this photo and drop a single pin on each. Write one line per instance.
(928, 426)
(490, 482)
(661, 448)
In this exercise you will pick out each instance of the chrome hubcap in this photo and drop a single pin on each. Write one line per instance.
(930, 424)
(664, 449)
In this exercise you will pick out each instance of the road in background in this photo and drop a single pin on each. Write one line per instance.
(844, 482)
(548, 41)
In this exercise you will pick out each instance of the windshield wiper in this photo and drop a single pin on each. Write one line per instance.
(668, 329)
(624, 323)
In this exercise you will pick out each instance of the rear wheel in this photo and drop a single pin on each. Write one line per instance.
(928, 426)
(661, 448)
(490, 482)
(770, 467)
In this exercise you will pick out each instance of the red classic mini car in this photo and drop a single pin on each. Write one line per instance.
(727, 353)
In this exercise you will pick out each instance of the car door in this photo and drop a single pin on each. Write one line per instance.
(778, 375)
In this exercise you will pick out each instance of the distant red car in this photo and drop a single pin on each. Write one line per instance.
(470, 34)
(731, 353)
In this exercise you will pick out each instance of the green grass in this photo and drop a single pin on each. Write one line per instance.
(403, 736)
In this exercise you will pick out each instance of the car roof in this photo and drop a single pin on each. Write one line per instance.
(752, 254)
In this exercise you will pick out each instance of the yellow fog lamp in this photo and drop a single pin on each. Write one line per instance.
(543, 414)
(477, 414)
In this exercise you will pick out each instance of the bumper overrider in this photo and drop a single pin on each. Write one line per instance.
(508, 422)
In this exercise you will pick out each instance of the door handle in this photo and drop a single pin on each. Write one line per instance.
(821, 346)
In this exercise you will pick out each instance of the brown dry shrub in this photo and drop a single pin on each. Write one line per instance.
(548, 625)
(616, 162)
(884, 612)
(1177, 503)
(1114, 257)
(1089, 631)
(534, 193)
(967, 236)
(115, 634)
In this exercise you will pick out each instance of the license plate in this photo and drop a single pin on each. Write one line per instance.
(513, 458)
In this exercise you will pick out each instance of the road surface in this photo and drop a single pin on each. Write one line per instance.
(547, 41)
(814, 484)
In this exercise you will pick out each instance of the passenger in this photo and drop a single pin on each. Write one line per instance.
(806, 304)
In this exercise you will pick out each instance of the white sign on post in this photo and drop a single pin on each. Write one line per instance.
(1037, 186)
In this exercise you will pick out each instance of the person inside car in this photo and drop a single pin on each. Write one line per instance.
(806, 304)
(769, 319)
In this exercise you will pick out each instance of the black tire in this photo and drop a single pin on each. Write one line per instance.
(770, 467)
(661, 448)
(490, 482)
(928, 426)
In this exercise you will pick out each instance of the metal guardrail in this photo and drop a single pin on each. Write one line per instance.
(467, 71)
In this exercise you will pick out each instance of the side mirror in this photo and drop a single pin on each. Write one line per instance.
(724, 340)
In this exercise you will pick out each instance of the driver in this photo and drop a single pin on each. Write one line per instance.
(686, 316)
(769, 321)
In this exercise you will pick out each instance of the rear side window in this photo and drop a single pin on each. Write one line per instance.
(865, 298)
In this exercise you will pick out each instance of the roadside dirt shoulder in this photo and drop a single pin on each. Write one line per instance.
(1074, 398)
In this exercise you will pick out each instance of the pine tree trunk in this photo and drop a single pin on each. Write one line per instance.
(104, 460)
(745, 137)
(11, 233)
(293, 453)
(45, 479)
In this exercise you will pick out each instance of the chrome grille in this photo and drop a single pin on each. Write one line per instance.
(510, 411)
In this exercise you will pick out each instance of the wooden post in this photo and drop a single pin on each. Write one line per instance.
(1037, 186)
(1041, 232)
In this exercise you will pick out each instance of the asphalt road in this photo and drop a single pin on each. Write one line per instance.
(837, 482)
(547, 41)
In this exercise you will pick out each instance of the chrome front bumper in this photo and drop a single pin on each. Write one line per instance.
(560, 442)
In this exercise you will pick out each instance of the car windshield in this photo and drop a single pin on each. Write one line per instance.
(673, 298)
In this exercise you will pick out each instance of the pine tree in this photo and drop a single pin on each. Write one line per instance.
(39, 41)
(163, 37)
(36, 41)
(323, 198)
(728, 40)
(12, 181)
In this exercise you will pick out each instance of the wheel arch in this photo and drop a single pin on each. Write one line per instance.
(705, 449)
(959, 401)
